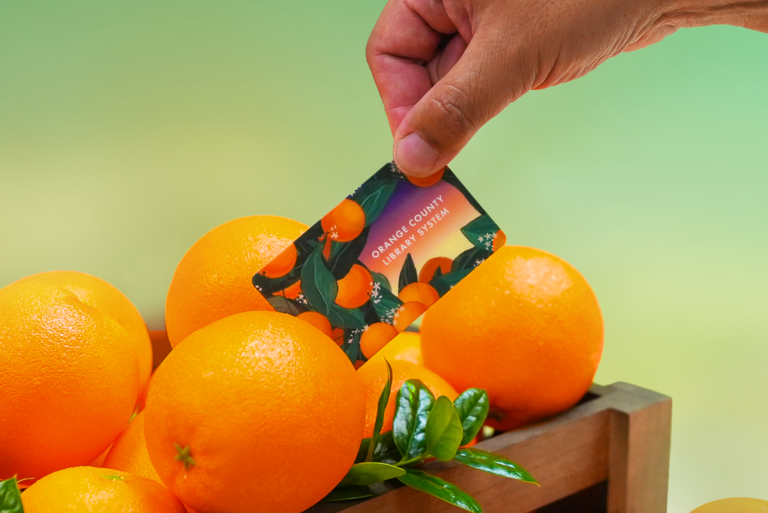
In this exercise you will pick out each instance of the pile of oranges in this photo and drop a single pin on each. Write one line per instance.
(255, 409)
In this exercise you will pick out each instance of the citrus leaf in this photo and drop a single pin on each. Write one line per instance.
(373, 197)
(445, 283)
(470, 259)
(318, 284)
(481, 232)
(472, 408)
(413, 405)
(444, 430)
(382, 405)
(347, 493)
(386, 451)
(440, 488)
(408, 273)
(351, 345)
(346, 254)
(10, 497)
(283, 305)
(362, 452)
(381, 280)
(493, 464)
(369, 472)
(385, 303)
(341, 317)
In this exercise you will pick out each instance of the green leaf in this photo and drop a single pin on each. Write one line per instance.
(440, 488)
(318, 284)
(445, 283)
(381, 280)
(341, 317)
(382, 405)
(346, 254)
(414, 403)
(10, 497)
(284, 305)
(347, 493)
(362, 452)
(369, 472)
(444, 430)
(386, 451)
(481, 232)
(408, 273)
(373, 197)
(493, 464)
(385, 303)
(472, 408)
(470, 259)
(268, 286)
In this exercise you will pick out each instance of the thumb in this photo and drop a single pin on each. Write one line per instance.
(443, 121)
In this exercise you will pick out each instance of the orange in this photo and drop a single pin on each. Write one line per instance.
(433, 264)
(408, 313)
(337, 334)
(98, 490)
(405, 346)
(355, 287)
(734, 505)
(248, 409)
(282, 264)
(526, 327)
(499, 240)
(105, 298)
(129, 452)
(374, 377)
(376, 337)
(426, 181)
(69, 380)
(213, 279)
(291, 291)
(345, 222)
(420, 292)
(317, 320)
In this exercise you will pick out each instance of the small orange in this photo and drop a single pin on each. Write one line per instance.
(499, 240)
(337, 334)
(213, 279)
(345, 222)
(376, 337)
(355, 288)
(405, 346)
(374, 377)
(408, 313)
(426, 181)
(291, 291)
(432, 265)
(69, 379)
(526, 327)
(317, 320)
(420, 292)
(251, 406)
(129, 452)
(98, 490)
(282, 264)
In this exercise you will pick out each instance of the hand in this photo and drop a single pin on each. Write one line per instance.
(446, 67)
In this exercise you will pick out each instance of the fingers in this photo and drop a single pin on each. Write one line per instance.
(484, 80)
(406, 37)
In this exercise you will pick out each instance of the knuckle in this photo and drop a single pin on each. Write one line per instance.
(452, 105)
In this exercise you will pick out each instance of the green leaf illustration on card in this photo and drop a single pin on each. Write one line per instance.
(269, 286)
(318, 284)
(470, 259)
(10, 498)
(381, 280)
(446, 282)
(481, 232)
(346, 254)
(413, 404)
(472, 407)
(351, 345)
(408, 273)
(385, 303)
(440, 488)
(283, 305)
(347, 318)
(493, 464)
(373, 196)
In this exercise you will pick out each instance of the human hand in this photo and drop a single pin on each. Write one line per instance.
(446, 67)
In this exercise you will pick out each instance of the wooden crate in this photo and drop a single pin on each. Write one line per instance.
(610, 453)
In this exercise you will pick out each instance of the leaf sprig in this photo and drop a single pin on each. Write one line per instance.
(10, 497)
(425, 427)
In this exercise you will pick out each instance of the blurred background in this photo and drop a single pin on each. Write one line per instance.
(129, 129)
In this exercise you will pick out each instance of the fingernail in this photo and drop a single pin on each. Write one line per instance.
(415, 157)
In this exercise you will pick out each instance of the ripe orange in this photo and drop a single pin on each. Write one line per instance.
(98, 490)
(405, 346)
(374, 377)
(408, 313)
(213, 280)
(526, 327)
(129, 452)
(317, 320)
(105, 298)
(426, 181)
(69, 380)
(734, 505)
(345, 222)
(282, 264)
(500, 240)
(248, 409)
(420, 292)
(428, 269)
(355, 287)
(376, 337)
(337, 334)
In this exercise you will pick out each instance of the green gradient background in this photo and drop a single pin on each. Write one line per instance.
(129, 129)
